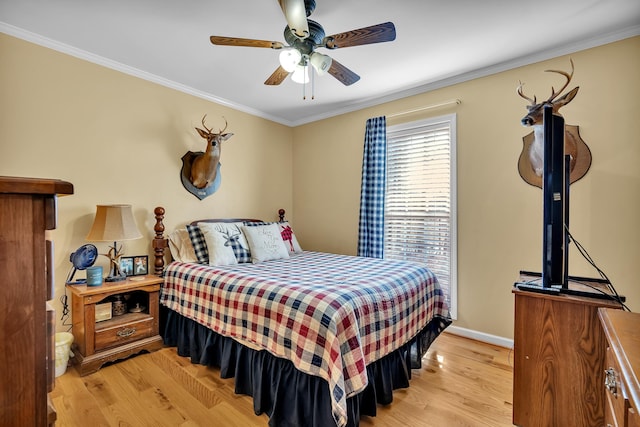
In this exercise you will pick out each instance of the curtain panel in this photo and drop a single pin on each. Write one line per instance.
(374, 175)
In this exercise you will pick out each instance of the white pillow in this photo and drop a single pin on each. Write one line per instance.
(265, 243)
(181, 247)
(234, 237)
(220, 253)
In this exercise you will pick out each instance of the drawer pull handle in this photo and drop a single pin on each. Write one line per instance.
(126, 332)
(610, 380)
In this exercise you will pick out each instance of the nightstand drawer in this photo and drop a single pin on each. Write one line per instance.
(113, 335)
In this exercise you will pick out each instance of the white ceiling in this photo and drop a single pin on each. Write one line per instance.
(438, 43)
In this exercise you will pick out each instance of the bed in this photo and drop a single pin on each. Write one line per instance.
(316, 339)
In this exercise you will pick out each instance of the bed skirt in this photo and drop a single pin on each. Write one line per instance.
(288, 396)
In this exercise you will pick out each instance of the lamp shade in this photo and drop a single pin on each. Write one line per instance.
(321, 63)
(289, 58)
(113, 223)
(300, 74)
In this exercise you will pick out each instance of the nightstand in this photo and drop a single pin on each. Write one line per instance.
(98, 342)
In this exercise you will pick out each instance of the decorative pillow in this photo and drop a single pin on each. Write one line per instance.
(198, 243)
(181, 247)
(219, 249)
(289, 237)
(233, 238)
(286, 232)
(265, 243)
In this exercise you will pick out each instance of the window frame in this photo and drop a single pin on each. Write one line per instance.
(449, 119)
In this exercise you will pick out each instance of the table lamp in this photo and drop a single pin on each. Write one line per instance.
(114, 223)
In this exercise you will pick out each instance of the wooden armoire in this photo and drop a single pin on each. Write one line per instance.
(28, 207)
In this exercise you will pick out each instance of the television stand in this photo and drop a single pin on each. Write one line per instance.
(531, 287)
(559, 358)
(586, 287)
(591, 294)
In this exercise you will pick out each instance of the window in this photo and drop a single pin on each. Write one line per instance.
(420, 203)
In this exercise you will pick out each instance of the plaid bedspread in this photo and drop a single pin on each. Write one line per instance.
(331, 315)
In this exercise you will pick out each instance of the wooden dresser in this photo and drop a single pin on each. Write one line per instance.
(559, 360)
(622, 368)
(27, 323)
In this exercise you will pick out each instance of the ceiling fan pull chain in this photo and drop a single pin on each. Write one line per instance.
(313, 84)
(304, 83)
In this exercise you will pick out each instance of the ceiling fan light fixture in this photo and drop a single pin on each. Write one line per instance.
(300, 75)
(290, 58)
(321, 63)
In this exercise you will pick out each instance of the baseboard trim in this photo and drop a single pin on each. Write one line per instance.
(480, 336)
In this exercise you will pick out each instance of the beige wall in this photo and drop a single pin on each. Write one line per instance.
(499, 215)
(119, 139)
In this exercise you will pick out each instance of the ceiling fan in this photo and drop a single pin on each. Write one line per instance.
(303, 36)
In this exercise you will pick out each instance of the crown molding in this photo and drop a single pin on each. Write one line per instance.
(544, 55)
(118, 66)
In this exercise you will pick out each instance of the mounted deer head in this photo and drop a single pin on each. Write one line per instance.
(532, 157)
(534, 116)
(205, 165)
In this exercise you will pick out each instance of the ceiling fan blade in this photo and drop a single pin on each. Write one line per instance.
(342, 73)
(236, 41)
(296, 15)
(277, 77)
(384, 32)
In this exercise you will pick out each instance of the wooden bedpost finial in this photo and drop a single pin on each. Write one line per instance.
(281, 214)
(159, 227)
(159, 242)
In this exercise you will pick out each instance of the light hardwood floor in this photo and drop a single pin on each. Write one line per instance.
(462, 383)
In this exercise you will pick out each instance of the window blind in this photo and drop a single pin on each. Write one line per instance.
(420, 215)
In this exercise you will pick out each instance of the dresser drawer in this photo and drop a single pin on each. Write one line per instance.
(118, 331)
(615, 392)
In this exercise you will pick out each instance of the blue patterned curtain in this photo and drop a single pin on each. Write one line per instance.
(374, 175)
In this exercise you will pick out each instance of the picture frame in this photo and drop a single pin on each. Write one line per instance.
(126, 265)
(140, 265)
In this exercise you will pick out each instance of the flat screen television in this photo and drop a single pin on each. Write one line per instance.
(555, 202)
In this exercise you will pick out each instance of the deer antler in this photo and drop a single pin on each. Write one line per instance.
(210, 129)
(205, 126)
(225, 126)
(532, 101)
(568, 76)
